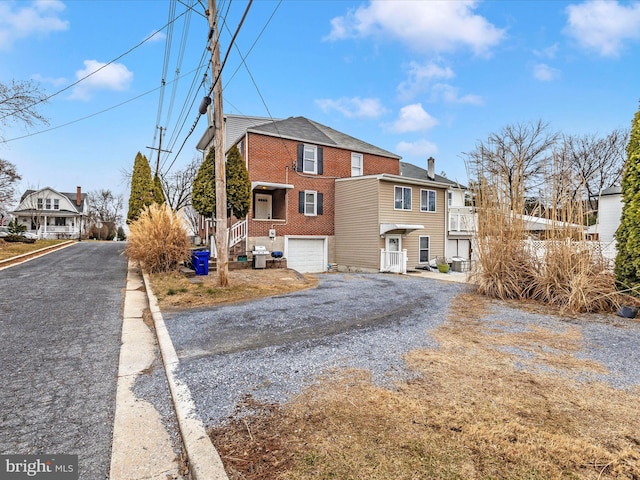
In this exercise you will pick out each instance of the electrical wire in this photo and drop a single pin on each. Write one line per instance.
(45, 99)
(91, 115)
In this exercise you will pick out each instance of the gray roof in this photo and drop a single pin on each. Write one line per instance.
(305, 130)
(71, 196)
(410, 170)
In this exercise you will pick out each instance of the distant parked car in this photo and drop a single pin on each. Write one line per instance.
(4, 231)
(30, 235)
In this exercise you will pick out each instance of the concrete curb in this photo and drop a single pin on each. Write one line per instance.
(204, 461)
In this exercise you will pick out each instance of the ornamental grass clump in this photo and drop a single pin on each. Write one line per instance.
(158, 240)
(538, 252)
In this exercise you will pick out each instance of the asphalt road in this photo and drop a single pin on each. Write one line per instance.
(60, 325)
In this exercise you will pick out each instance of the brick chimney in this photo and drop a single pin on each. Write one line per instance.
(431, 163)
(78, 196)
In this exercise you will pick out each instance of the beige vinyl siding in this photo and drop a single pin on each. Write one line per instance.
(357, 228)
(434, 223)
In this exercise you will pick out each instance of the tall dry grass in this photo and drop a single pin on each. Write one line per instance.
(158, 240)
(564, 271)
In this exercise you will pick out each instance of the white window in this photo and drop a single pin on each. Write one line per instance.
(39, 204)
(402, 198)
(450, 198)
(310, 159)
(427, 200)
(310, 202)
(423, 254)
(356, 165)
(56, 204)
(47, 204)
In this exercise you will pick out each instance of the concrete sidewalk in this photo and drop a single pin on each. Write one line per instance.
(142, 448)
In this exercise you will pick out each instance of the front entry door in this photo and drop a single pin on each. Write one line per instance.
(263, 206)
(393, 247)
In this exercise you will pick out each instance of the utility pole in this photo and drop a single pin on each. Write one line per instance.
(159, 150)
(222, 262)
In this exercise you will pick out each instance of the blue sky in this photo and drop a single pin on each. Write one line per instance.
(418, 78)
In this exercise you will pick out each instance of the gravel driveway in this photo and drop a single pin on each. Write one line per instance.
(272, 348)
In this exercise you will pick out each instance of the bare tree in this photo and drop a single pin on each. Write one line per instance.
(177, 185)
(18, 103)
(105, 209)
(515, 158)
(8, 177)
(595, 162)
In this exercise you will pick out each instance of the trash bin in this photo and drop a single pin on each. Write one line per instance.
(200, 262)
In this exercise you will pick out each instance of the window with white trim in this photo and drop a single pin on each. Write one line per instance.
(40, 204)
(310, 202)
(56, 204)
(356, 165)
(47, 204)
(450, 198)
(423, 253)
(427, 200)
(310, 159)
(402, 198)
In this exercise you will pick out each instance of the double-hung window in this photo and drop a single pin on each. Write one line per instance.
(56, 204)
(310, 203)
(356, 165)
(427, 200)
(402, 198)
(310, 159)
(47, 204)
(40, 204)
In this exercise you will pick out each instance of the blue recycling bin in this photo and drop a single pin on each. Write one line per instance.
(200, 262)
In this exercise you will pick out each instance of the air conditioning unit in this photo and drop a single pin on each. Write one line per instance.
(272, 233)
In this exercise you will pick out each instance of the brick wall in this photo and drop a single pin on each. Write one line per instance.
(272, 159)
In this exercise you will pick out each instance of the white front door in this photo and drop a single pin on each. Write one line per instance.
(263, 206)
(393, 247)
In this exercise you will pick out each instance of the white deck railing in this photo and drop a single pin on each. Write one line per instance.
(237, 232)
(461, 219)
(393, 261)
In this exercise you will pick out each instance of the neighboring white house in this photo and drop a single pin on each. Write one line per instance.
(609, 213)
(52, 214)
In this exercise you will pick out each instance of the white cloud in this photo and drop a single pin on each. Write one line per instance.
(420, 76)
(114, 76)
(603, 27)
(549, 52)
(156, 36)
(424, 26)
(37, 19)
(449, 94)
(355, 107)
(545, 73)
(56, 82)
(413, 118)
(421, 148)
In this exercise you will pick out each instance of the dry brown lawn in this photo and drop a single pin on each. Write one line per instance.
(12, 249)
(175, 290)
(470, 413)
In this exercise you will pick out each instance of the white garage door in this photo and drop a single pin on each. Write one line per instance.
(306, 255)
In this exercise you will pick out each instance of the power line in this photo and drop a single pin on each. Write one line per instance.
(93, 114)
(45, 99)
(244, 16)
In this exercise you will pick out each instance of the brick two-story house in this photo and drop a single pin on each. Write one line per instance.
(323, 197)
